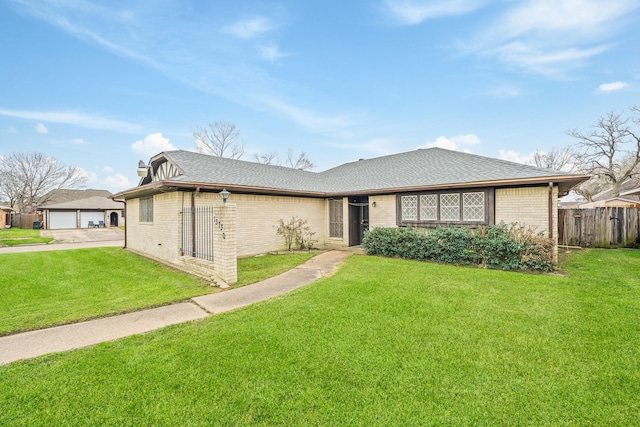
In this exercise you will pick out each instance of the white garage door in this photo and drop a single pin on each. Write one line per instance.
(58, 220)
(86, 216)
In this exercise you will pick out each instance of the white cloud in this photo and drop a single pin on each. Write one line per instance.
(457, 143)
(250, 28)
(78, 119)
(79, 141)
(92, 177)
(514, 156)
(117, 182)
(152, 144)
(272, 53)
(305, 117)
(612, 87)
(40, 128)
(11, 130)
(108, 169)
(550, 37)
(411, 12)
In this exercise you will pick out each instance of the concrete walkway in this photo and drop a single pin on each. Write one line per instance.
(78, 335)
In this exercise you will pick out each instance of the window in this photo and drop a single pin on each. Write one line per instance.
(409, 208)
(429, 207)
(335, 218)
(432, 208)
(146, 209)
(473, 207)
(450, 207)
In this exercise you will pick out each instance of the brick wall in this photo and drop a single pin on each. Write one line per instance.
(258, 218)
(384, 213)
(257, 221)
(161, 238)
(528, 206)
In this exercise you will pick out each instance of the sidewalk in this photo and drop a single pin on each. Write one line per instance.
(78, 335)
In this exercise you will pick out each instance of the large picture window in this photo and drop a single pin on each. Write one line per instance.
(447, 207)
(146, 209)
(335, 218)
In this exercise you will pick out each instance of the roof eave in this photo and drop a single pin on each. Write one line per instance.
(567, 181)
(160, 186)
(564, 182)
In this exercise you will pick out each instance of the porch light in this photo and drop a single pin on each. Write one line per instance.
(142, 169)
(224, 194)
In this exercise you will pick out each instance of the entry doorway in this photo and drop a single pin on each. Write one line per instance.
(113, 219)
(358, 219)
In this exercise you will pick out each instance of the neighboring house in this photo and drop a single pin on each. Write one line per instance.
(84, 213)
(632, 192)
(62, 195)
(626, 190)
(5, 216)
(422, 188)
(614, 202)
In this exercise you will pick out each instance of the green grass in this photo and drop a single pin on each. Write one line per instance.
(40, 289)
(381, 342)
(254, 269)
(19, 236)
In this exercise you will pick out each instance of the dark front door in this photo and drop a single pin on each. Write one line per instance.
(113, 219)
(358, 218)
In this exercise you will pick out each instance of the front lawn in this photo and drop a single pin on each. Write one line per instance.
(20, 236)
(381, 342)
(40, 289)
(254, 269)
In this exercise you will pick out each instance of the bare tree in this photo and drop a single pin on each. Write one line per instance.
(301, 161)
(28, 179)
(560, 159)
(221, 139)
(611, 148)
(270, 158)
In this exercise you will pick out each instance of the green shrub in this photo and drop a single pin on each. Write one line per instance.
(296, 234)
(498, 247)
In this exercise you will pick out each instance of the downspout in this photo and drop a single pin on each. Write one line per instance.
(550, 203)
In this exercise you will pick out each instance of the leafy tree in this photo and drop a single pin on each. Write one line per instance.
(611, 148)
(28, 179)
(221, 139)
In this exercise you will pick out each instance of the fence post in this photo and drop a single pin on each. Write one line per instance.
(225, 260)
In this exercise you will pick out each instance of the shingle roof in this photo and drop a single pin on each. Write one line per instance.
(629, 184)
(422, 168)
(219, 170)
(89, 203)
(62, 195)
(427, 167)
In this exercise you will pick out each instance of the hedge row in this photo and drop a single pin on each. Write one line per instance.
(498, 247)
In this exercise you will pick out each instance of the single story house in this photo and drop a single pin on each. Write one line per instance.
(5, 216)
(422, 188)
(97, 211)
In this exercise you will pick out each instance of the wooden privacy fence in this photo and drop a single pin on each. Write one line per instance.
(605, 227)
(25, 220)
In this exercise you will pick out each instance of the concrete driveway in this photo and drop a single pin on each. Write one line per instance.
(85, 235)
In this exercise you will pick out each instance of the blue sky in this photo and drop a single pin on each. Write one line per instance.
(101, 85)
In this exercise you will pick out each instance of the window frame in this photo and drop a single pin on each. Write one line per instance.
(146, 210)
(489, 211)
(332, 219)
